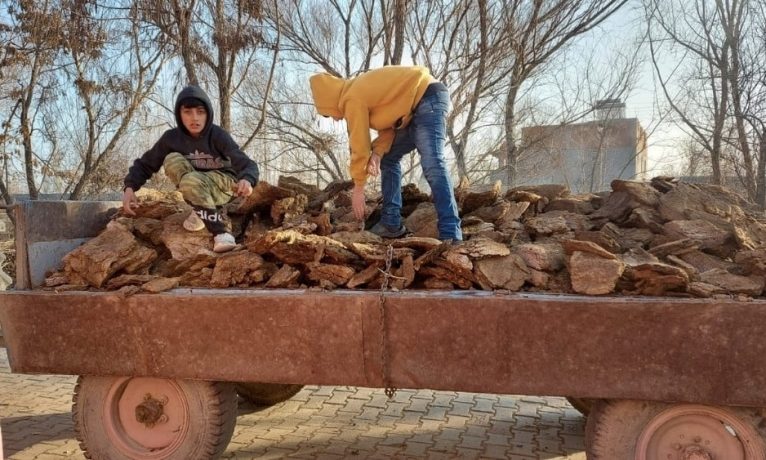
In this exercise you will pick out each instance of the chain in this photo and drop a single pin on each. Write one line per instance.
(389, 389)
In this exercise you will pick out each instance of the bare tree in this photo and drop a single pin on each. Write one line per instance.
(536, 32)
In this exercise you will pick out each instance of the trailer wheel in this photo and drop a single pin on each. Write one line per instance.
(139, 418)
(643, 430)
(267, 394)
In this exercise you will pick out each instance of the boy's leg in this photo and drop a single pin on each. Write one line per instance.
(207, 192)
(391, 180)
(428, 131)
(176, 166)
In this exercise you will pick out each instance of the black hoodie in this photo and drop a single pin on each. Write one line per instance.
(214, 149)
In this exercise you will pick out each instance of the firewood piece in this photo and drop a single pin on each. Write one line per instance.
(637, 256)
(285, 277)
(288, 208)
(704, 290)
(546, 257)
(404, 274)
(411, 194)
(677, 247)
(748, 231)
(292, 247)
(549, 191)
(329, 193)
(445, 274)
(687, 267)
(572, 204)
(570, 246)
(158, 209)
(438, 284)
(114, 250)
(128, 280)
(534, 201)
(479, 248)
(460, 264)
(641, 192)
(338, 275)
(423, 221)
(56, 279)
(322, 222)
(706, 234)
(753, 262)
(180, 242)
(593, 275)
(735, 284)
(658, 278)
(233, 268)
(197, 278)
(264, 194)
(377, 253)
(507, 272)
(491, 213)
(71, 287)
(298, 186)
(599, 238)
(472, 197)
(148, 229)
(365, 276)
(158, 285)
(417, 243)
(356, 237)
(547, 225)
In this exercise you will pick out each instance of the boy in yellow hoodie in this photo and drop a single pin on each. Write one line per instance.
(408, 108)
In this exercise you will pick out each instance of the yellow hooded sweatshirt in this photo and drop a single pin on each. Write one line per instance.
(382, 99)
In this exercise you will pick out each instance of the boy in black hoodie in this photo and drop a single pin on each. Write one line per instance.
(203, 161)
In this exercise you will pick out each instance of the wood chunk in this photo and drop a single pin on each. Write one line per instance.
(600, 238)
(329, 193)
(704, 290)
(677, 248)
(148, 229)
(298, 186)
(752, 262)
(507, 272)
(470, 198)
(404, 274)
(417, 243)
(593, 275)
(338, 275)
(365, 237)
(571, 246)
(180, 242)
(365, 276)
(128, 280)
(56, 279)
(546, 225)
(438, 284)
(749, 285)
(458, 263)
(234, 268)
(545, 257)
(538, 278)
(322, 222)
(114, 250)
(446, 274)
(158, 209)
(285, 277)
(688, 268)
(479, 248)
(658, 278)
(641, 192)
(262, 197)
(288, 208)
(197, 278)
(706, 234)
(158, 285)
(378, 253)
(491, 213)
(549, 191)
(423, 221)
(637, 256)
(703, 262)
(572, 205)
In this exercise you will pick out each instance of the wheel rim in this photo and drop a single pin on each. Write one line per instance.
(146, 418)
(698, 433)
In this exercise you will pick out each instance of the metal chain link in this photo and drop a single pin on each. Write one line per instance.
(390, 390)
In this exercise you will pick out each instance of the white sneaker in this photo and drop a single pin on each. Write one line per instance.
(193, 223)
(224, 242)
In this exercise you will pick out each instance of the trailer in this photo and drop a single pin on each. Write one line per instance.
(665, 378)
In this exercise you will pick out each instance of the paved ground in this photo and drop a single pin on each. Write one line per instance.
(326, 423)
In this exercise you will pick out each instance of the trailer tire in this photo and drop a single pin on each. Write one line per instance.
(267, 394)
(645, 430)
(140, 418)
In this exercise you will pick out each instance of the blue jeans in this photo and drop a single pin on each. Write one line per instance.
(426, 133)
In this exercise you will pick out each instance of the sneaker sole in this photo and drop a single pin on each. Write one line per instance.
(193, 229)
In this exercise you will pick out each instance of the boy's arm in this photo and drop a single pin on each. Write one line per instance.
(245, 167)
(146, 165)
(357, 116)
(382, 144)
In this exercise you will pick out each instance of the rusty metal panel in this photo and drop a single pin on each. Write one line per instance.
(286, 336)
(706, 351)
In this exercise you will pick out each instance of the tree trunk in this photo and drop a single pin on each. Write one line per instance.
(760, 190)
(511, 151)
(399, 23)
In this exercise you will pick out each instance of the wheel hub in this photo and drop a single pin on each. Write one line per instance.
(690, 432)
(146, 418)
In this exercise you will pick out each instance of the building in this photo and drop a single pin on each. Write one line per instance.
(585, 156)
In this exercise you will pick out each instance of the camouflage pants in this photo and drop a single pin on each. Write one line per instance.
(205, 191)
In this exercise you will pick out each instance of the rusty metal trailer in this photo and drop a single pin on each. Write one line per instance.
(668, 378)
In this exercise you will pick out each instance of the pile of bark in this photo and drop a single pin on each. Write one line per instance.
(658, 238)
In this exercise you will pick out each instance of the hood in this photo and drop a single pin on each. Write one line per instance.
(326, 91)
(196, 92)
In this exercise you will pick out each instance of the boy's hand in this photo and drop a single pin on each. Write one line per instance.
(244, 189)
(357, 202)
(373, 165)
(129, 201)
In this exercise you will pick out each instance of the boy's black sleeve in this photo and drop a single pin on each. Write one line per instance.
(242, 164)
(146, 165)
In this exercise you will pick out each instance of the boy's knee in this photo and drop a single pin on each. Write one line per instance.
(193, 188)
